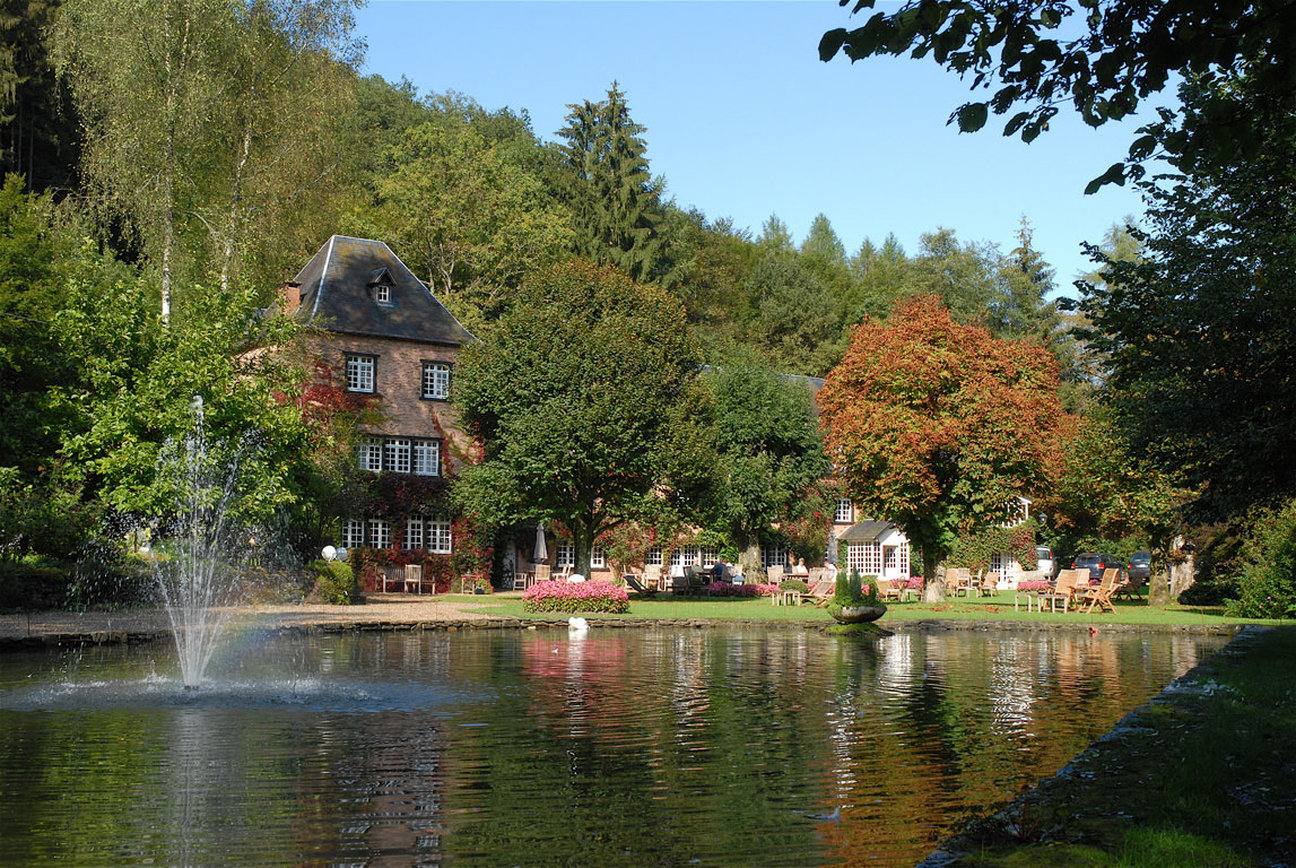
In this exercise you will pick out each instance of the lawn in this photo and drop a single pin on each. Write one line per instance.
(996, 608)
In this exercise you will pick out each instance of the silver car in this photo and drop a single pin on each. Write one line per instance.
(1044, 561)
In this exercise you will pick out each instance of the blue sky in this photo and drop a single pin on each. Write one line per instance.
(744, 121)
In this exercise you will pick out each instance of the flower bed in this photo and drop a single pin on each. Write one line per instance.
(572, 597)
(1033, 585)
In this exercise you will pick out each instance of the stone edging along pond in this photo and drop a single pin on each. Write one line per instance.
(338, 623)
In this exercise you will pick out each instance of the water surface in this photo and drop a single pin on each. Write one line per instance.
(629, 747)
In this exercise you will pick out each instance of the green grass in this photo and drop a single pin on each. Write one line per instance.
(1206, 777)
(997, 608)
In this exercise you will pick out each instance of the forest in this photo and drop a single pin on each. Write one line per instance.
(169, 165)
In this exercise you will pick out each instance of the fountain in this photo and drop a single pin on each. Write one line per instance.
(201, 543)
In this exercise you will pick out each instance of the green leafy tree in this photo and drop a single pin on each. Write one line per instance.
(614, 200)
(34, 266)
(796, 320)
(823, 254)
(710, 260)
(1197, 328)
(964, 276)
(749, 439)
(1101, 494)
(206, 122)
(569, 395)
(880, 276)
(939, 427)
(136, 384)
(471, 220)
(1023, 309)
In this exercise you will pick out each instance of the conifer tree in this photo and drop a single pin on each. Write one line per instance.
(615, 202)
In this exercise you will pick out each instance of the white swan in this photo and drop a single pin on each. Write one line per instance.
(577, 626)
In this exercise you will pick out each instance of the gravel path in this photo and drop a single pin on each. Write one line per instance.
(141, 623)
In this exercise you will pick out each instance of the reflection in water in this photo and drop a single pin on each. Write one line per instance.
(747, 746)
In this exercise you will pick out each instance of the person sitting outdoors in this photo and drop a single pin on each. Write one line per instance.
(720, 571)
(800, 569)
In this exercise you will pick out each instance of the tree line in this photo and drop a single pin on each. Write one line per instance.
(173, 163)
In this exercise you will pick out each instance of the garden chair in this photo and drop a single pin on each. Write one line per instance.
(951, 582)
(642, 589)
(414, 578)
(989, 586)
(543, 572)
(653, 578)
(774, 574)
(1101, 596)
(821, 591)
(1063, 590)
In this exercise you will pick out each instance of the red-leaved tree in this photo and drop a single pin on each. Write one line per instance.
(939, 427)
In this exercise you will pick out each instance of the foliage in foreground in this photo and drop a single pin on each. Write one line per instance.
(1266, 587)
(597, 597)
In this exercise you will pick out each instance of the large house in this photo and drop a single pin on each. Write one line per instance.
(387, 343)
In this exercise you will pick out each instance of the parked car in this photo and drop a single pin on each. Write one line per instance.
(1139, 568)
(1044, 561)
(1095, 564)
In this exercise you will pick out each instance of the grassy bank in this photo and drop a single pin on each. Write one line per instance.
(997, 608)
(1203, 776)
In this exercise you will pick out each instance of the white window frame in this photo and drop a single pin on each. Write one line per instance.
(598, 557)
(427, 458)
(379, 533)
(413, 533)
(436, 380)
(653, 557)
(361, 372)
(371, 454)
(773, 556)
(565, 555)
(382, 293)
(685, 556)
(440, 536)
(708, 556)
(353, 535)
(396, 455)
(845, 512)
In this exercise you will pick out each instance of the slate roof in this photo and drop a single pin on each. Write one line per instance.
(337, 294)
(867, 531)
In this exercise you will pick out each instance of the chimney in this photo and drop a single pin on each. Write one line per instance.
(289, 298)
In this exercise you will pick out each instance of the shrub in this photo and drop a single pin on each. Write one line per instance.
(795, 585)
(1208, 593)
(573, 597)
(1267, 586)
(855, 591)
(335, 582)
(727, 589)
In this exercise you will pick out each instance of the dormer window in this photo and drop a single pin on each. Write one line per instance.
(380, 285)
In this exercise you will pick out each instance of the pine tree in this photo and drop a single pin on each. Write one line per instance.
(615, 202)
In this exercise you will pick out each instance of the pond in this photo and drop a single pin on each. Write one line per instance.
(530, 747)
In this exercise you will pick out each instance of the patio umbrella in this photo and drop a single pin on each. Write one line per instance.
(541, 551)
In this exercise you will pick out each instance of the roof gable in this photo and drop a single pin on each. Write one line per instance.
(338, 293)
(869, 531)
